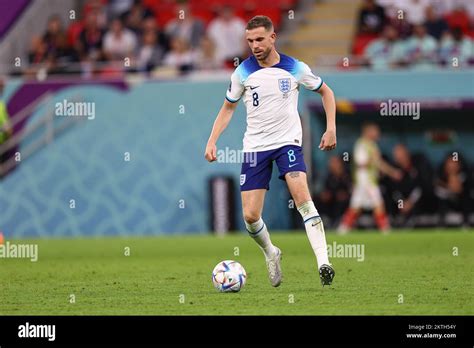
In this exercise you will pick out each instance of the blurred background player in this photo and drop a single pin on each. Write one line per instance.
(366, 193)
(452, 188)
(269, 81)
(409, 189)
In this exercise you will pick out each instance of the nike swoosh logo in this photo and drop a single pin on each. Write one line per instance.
(292, 165)
(252, 88)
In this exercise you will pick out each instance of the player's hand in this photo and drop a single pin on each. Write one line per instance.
(210, 153)
(407, 207)
(328, 141)
(397, 175)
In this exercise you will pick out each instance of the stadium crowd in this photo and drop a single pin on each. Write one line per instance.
(416, 33)
(113, 36)
(139, 35)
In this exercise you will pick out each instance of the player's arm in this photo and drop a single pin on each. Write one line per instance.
(233, 94)
(388, 169)
(328, 140)
(222, 120)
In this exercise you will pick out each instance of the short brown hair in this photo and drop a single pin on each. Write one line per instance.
(260, 21)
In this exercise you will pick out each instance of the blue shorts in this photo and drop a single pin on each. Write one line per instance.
(257, 166)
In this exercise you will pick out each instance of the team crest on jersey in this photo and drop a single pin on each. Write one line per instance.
(285, 85)
(242, 179)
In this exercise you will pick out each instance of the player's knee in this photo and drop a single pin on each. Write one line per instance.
(251, 216)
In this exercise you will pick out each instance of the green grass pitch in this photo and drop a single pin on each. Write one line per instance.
(417, 268)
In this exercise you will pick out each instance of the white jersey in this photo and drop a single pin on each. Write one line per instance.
(366, 156)
(271, 98)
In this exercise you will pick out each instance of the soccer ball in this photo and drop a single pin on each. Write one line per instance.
(229, 276)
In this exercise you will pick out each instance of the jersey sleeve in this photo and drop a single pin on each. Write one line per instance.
(236, 87)
(306, 77)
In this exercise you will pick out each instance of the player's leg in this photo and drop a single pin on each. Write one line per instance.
(381, 218)
(298, 187)
(290, 162)
(379, 212)
(254, 182)
(348, 220)
(352, 213)
(252, 206)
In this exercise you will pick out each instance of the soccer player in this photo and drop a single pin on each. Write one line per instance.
(366, 193)
(269, 83)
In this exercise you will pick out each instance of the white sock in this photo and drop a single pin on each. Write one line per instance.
(315, 232)
(258, 231)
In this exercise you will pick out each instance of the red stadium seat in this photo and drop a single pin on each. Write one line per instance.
(164, 12)
(273, 13)
(204, 14)
(360, 43)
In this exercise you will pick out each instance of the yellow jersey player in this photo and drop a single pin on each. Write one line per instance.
(366, 192)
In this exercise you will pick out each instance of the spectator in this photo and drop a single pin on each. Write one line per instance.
(227, 32)
(149, 24)
(150, 53)
(335, 196)
(133, 19)
(393, 18)
(206, 58)
(117, 8)
(119, 42)
(385, 52)
(371, 18)
(65, 55)
(435, 25)
(420, 49)
(54, 36)
(99, 9)
(458, 18)
(38, 52)
(89, 45)
(406, 192)
(415, 11)
(456, 49)
(186, 26)
(180, 57)
(452, 189)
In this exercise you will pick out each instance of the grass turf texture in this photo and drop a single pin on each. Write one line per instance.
(419, 265)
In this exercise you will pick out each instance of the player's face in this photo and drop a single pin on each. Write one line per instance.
(401, 156)
(335, 165)
(374, 133)
(260, 41)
